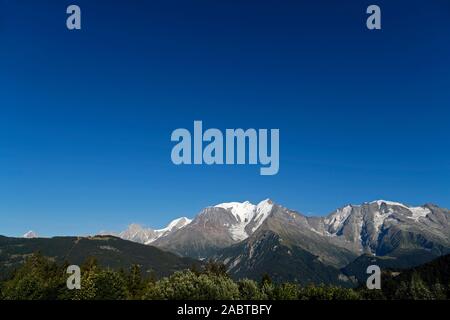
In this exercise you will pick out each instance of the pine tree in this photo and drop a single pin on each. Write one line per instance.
(135, 283)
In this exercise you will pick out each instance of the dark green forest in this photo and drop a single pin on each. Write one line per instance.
(40, 278)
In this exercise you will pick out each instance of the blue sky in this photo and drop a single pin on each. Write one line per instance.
(86, 117)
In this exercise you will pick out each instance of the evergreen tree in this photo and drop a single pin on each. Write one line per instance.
(215, 268)
(38, 279)
(287, 291)
(418, 288)
(135, 283)
(249, 290)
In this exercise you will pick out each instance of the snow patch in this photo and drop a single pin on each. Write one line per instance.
(418, 212)
(389, 203)
(380, 217)
(337, 219)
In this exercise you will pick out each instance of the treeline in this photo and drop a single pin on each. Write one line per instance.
(40, 278)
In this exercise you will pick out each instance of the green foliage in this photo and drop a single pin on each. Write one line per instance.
(249, 290)
(215, 268)
(190, 286)
(135, 285)
(97, 284)
(416, 289)
(268, 290)
(425, 282)
(287, 291)
(40, 278)
(328, 293)
(366, 294)
(266, 279)
(438, 291)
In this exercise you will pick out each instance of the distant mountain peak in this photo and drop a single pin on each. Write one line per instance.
(30, 235)
(175, 224)
(137, 233)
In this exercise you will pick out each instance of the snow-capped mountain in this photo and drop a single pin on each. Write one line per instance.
(370, 227)
(30, 235)
(380, 210)
(140, 234)
(217, 227)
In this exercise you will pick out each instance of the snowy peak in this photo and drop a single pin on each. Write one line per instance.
(241, 211)
(249, 217)
(245, 210)
(265, 204)
(174, 225)
(179, 223)
(137, 233)
(263, 209)
(335, 221)
(30, 235)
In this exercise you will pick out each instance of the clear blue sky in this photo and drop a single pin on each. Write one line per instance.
(86, 117)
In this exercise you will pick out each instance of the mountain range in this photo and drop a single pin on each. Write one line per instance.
(255, 239)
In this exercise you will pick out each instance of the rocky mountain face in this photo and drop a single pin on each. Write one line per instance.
(287, 247)
(383, 227)
(266, 252)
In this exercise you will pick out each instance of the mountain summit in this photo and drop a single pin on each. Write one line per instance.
(30, 235)
(137, 233)
(249, 217)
